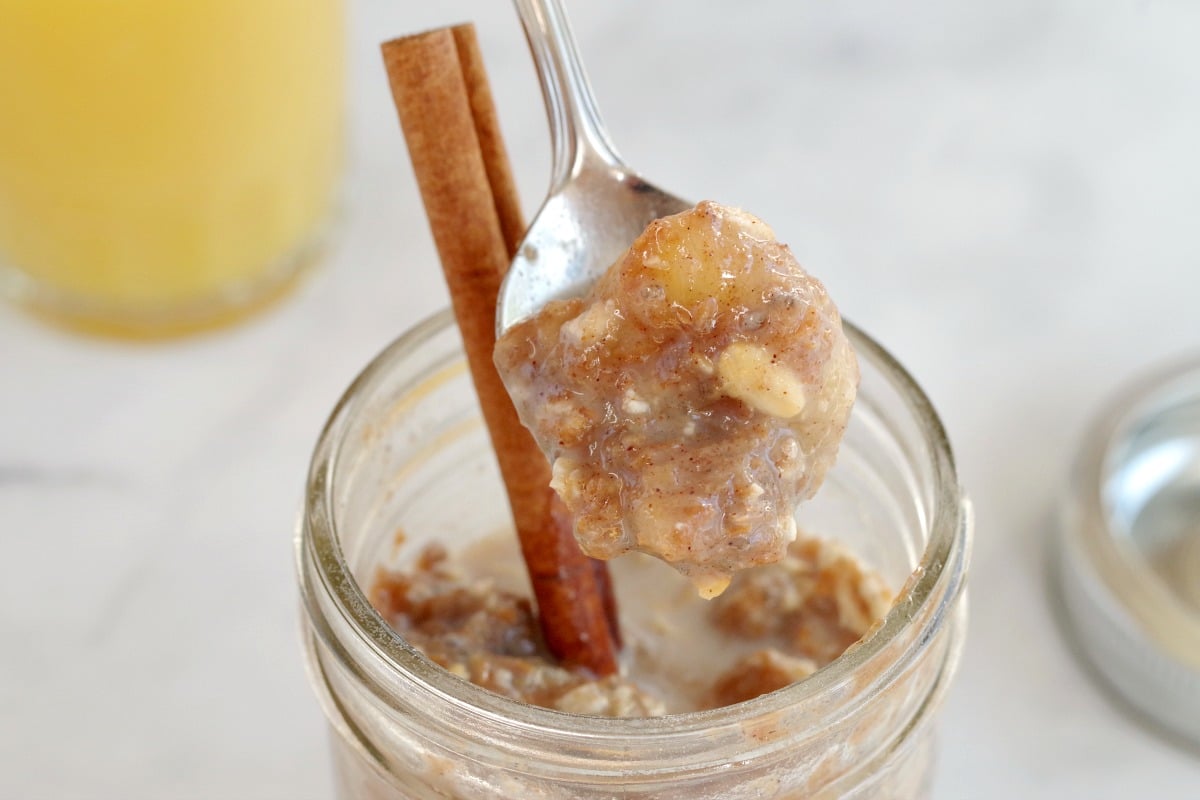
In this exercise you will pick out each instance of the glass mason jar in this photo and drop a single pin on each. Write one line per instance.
(165, 166)
(405, 452)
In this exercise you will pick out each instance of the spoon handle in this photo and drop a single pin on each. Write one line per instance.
(577, 134)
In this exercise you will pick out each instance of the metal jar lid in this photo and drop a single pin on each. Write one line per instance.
(1128, 560)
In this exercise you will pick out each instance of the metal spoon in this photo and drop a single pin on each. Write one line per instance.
(596, 205)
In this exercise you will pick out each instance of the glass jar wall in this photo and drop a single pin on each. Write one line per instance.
(405, 450)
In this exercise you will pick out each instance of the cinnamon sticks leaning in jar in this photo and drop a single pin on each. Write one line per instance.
(449, 121)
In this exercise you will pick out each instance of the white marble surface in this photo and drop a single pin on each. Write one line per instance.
(1005, 193)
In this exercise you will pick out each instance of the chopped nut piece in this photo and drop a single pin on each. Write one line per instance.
(748, 372)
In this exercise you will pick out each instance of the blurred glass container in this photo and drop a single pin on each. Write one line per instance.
(1129, 548)
(405, 450)
(165, 166)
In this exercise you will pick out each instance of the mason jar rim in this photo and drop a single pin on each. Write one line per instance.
(938, 578)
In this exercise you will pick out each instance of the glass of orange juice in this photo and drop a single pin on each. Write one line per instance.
(165, 166)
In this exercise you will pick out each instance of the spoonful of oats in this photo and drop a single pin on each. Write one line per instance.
(688, 380)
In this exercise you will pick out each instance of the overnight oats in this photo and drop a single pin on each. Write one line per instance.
(688, 402)
(816, 675)
(773, 626)
(691, 399)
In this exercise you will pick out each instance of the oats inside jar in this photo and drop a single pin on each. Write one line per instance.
(692, 399)
(470, 613)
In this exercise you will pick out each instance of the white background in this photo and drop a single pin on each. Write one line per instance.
(1007, 194)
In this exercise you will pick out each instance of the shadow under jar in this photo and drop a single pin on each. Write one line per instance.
(406, 450)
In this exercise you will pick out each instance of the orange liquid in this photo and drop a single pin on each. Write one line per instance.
(159, 156)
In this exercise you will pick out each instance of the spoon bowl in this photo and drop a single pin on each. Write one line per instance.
(596, 205)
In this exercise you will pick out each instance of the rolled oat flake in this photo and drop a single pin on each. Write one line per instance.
(1128, 555)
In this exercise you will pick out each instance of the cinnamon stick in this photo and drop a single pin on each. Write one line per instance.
(446, 113)
(491, 143)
